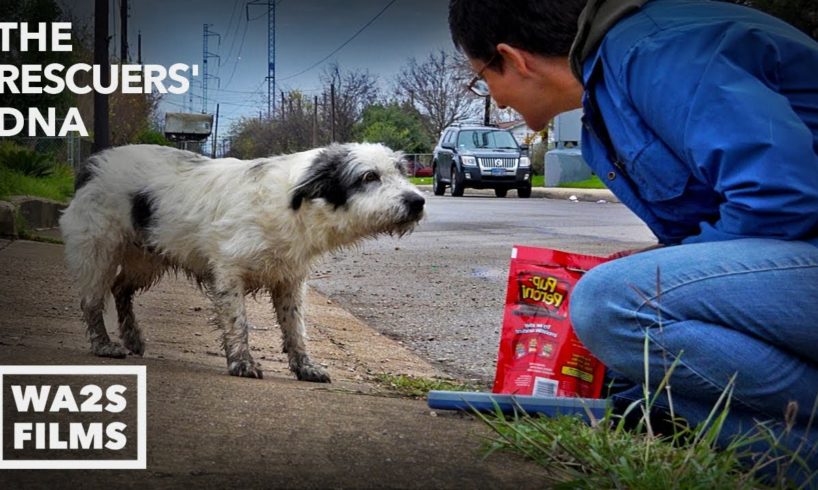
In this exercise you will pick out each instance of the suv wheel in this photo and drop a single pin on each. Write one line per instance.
(457, 183)
(524, 192)
(500, 191)
(438, 187)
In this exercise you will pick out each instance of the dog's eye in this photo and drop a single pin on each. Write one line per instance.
(370, 177)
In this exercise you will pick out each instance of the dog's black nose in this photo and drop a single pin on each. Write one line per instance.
(414, 202)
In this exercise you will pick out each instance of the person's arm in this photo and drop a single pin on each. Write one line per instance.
(720, 111)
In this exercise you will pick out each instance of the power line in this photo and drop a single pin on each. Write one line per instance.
(227, 33)
(238, 92)
(233, 104)
(373, 19)
(230, 24)
(238, 55)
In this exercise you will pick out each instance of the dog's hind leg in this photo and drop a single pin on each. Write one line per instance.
(101, 345)
(140, 269)
(288, 300)
(227, 294)
(129, 331)
(94, 279)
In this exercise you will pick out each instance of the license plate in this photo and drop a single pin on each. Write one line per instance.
(498, 171)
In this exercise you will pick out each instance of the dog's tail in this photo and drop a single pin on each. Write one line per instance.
(86, 172)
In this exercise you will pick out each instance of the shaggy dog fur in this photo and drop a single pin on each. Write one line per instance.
(236, 227)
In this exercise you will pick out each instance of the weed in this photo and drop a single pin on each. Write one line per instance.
(419, 387)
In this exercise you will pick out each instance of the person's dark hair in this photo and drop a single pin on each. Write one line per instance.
(544, 27)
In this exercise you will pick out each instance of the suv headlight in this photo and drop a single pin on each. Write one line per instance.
(468, 161)
(525, 162)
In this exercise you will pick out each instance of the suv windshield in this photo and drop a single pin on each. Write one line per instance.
(477, 139)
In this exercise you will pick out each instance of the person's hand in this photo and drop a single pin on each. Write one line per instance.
(625, 253)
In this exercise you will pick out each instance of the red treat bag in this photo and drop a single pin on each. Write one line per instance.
(539, 352)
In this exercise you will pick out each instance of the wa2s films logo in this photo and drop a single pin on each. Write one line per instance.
(73, 417)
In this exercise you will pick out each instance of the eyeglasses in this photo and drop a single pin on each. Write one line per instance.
(477, 85)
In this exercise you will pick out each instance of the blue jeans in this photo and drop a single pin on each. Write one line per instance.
(747, 307)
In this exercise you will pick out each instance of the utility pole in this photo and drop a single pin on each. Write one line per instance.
(139, 49)
(271, 51)
(102, 130)
(324, 108)
(283, 115)
(315, 121)
(205, 56)
(123, 40)
(215, 134)
(332, 111)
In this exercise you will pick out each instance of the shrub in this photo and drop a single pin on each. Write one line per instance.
(537, 155)
(25, 161)
(152, 137)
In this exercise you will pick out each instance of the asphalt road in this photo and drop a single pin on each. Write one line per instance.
(440, 291)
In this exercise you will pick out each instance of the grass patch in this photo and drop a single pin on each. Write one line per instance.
(593, 183)
(421, 180)
(576, 455)
(418, 387)
(27, 235)
(610, 454)
(536, 181)
(58, 186)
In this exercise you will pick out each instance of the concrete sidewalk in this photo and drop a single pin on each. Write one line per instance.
(211, 430)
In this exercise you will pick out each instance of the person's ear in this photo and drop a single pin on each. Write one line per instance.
(515, 58)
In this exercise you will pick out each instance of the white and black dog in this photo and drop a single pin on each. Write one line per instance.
(234, 226)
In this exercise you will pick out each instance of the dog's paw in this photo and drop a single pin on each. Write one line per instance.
(134, 344)
(109, 349)
(245, 369)
(312, 373)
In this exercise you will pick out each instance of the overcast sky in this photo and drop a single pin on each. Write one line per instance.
(306, 32)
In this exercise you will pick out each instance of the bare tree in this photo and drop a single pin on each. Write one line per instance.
(437, 87)
(354, 92)
(291, 131)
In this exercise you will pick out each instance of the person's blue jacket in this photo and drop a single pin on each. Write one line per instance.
(711, 116)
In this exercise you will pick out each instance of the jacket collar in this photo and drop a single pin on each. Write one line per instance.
(594, 22)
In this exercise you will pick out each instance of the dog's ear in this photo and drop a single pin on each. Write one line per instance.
(323, 179)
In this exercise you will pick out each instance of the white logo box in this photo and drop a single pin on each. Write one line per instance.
(140, 463)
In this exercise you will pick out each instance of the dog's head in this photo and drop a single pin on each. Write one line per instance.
(363, 188)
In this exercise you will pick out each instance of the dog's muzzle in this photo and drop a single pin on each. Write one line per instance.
(414, 205)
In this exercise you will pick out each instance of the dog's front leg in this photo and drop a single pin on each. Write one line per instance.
(288, 300)
(227, 294)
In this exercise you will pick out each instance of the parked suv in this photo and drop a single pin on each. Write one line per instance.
(480, 157)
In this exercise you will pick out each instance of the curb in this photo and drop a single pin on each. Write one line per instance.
(8, 219)
(561, 193)
(26, 212)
